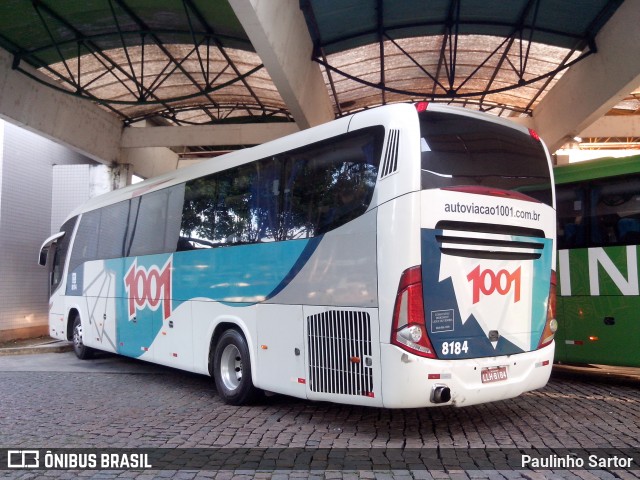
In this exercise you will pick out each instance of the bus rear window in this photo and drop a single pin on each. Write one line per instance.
(459, 150)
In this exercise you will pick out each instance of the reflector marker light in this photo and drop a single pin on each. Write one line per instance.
(542, 364)
(302, 381)
(439, 376)
(144, 349)
(574, 342)
(534, 134)
(593, 338)
(421, 106)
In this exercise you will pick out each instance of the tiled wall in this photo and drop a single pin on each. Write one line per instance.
(26, 179)
(70, 189)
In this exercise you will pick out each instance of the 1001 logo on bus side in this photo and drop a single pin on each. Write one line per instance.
(149, 288)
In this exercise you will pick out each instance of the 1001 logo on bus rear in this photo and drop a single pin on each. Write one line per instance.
(487, 282)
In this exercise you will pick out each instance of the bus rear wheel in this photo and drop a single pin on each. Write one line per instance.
(232, 369)
(81, 350)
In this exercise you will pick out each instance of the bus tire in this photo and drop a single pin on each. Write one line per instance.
(232, 369)
(81, 350)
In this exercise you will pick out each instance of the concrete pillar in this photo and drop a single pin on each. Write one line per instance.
(120, 175)
(278, 31)
(593, 86)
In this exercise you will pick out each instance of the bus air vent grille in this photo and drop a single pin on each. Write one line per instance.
(390, 163)
(489, 241)
(340, 353)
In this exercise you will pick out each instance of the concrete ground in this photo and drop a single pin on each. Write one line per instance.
(53, 400)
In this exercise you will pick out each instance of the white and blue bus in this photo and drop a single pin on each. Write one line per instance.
(399, 257)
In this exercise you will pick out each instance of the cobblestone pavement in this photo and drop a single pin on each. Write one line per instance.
(55, 401)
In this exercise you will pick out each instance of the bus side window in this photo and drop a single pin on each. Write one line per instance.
(336, 181)
(85, 246)
(60, 250)
(175, 201)
(112, 230)
(296, 194)
(199, 214)
(219, 209)
(570, 200)
(615, 211)
(629, 231)
(156, 228)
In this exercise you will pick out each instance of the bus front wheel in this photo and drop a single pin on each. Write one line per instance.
(232, 369)
(81, 350)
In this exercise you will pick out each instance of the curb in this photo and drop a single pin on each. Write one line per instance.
(53, 347)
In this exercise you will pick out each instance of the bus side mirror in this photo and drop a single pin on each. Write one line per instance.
(44, 249)
(42, 259)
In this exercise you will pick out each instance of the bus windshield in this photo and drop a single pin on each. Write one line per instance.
(459, 150)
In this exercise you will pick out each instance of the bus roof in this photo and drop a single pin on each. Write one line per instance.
(598, 168)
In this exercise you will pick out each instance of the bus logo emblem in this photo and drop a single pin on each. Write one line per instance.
(487, 282)
(149, 288)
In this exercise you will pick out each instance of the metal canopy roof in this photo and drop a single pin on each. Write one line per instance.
(560, 23)
(190, 61)
(490, 53)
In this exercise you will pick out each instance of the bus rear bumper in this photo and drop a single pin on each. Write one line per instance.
(409, 381)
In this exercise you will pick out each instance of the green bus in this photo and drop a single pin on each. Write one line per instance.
(598, 310)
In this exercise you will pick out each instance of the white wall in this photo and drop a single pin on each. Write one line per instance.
(26, 179)
(73, 185)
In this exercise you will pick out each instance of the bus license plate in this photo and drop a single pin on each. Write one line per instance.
(493, 374)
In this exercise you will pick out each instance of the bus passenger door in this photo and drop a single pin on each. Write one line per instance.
(57, 320)
(96, 281)
(280, 349)
(100, 330)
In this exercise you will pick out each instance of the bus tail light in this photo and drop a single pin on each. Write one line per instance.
(409, 331)
(551, 325)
